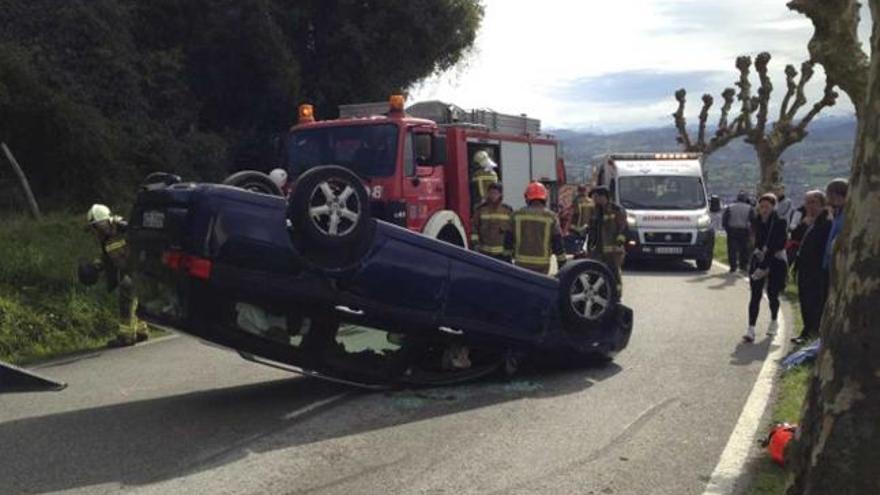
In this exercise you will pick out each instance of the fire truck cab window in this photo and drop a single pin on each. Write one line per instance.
(409, 163)
(368, 150)
(422, 143)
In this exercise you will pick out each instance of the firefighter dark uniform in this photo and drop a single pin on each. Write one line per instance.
(482, 177)
(490, 226)
(114, 263)
(480, 182)
(536, 235)
(608, 236)
(582, 213)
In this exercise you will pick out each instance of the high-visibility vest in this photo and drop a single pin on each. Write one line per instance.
(609, 227)
(115, 245)
(533, 231)
(583, 212)
(481, 180)
(489, 227)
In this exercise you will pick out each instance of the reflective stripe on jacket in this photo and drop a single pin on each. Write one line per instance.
(608, 230)
(489, 228)
(536, 236)
(583, 211)
(480, 182)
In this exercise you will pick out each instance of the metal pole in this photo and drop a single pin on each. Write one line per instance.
(32, 202)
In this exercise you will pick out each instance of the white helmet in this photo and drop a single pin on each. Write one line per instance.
(278, 176)
(482, 159)
(98, 213)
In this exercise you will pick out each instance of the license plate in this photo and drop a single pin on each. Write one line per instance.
(668, 250)
(154, 219)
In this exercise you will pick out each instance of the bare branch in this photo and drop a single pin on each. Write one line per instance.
(829, 99)
(728, 94)
(790, 74)
(743, 64)
(764, 92)
(835, 44)
(680, 122)
(704, 116)
(800, 98)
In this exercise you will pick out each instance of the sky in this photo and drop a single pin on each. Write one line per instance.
(614, 65)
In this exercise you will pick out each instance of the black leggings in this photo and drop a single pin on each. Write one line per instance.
(775, 282)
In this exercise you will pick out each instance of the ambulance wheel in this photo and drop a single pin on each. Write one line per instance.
(330, 207)
(251, 180)
(704, 264)
(588, 294)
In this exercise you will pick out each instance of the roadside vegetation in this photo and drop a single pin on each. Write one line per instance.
(44, 312)
(791, 391)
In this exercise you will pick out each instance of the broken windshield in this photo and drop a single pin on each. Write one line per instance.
(368, 150)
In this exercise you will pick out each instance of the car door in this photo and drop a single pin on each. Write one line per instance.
(491, 298)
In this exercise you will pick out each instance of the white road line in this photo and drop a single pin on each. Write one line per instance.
(315, 405)
(733, 459)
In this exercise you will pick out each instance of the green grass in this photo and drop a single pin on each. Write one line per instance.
(44, 312)
(768, 478)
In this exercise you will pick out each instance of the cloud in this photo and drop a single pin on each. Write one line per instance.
(576, 63)
(638, 86)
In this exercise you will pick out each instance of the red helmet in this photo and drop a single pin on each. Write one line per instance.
(536, 191)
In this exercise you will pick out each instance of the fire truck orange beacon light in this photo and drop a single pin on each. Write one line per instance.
(396, 103)
(306, 114)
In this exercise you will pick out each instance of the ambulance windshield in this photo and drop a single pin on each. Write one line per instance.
(654, 192)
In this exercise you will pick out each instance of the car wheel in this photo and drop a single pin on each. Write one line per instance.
(588, 293)
(251, 180)
(704, 264)
(330, 207)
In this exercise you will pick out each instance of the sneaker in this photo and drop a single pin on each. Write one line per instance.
(749, 337)
(799, 340)
(773, 328)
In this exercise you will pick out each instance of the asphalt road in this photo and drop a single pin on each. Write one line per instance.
(177, 416)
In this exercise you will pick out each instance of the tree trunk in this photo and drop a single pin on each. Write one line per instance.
(837, 450)
(770, 170)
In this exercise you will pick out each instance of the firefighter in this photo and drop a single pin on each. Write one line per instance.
(110, 230)
(483, 176)
(491, 224)
(607, 233)
(279, 177)
(582, 212)
(535, 234)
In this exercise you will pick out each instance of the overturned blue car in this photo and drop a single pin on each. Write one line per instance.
(314, 284)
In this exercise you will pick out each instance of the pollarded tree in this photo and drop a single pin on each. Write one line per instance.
(751, 122)
(837, 450)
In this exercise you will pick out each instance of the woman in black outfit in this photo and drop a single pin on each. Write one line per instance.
(769, 265)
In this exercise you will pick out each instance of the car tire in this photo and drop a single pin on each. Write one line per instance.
(251, 180)
(587, 294)
(704, 264)
(330, 208)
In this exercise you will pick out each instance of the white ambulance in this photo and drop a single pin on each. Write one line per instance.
(666, 204)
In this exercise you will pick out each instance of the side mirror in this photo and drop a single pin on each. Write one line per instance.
(438, 150)
(714, 204)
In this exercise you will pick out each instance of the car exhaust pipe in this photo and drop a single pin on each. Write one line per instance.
(15, 379)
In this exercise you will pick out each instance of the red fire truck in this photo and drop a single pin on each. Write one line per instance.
(416, 162)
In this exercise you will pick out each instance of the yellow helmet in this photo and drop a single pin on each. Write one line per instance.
(98, 213)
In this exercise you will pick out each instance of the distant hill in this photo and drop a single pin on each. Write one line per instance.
(823, 155)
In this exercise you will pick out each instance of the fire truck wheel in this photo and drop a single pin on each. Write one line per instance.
(251, 180)
(588, 293)
(330, 207)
